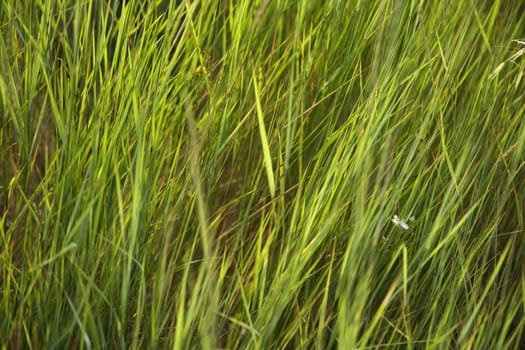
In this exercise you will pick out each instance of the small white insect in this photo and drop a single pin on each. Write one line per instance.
(398, 222)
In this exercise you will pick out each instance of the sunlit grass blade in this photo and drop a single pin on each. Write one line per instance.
(264, 138)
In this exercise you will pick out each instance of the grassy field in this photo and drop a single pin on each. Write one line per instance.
(225, 174)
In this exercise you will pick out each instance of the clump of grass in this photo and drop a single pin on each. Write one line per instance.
(216, 175)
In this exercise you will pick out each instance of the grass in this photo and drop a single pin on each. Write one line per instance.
(209, 174)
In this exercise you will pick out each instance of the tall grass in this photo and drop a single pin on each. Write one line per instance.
(215, 174)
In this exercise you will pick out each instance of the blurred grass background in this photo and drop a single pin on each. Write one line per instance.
(224, 174)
